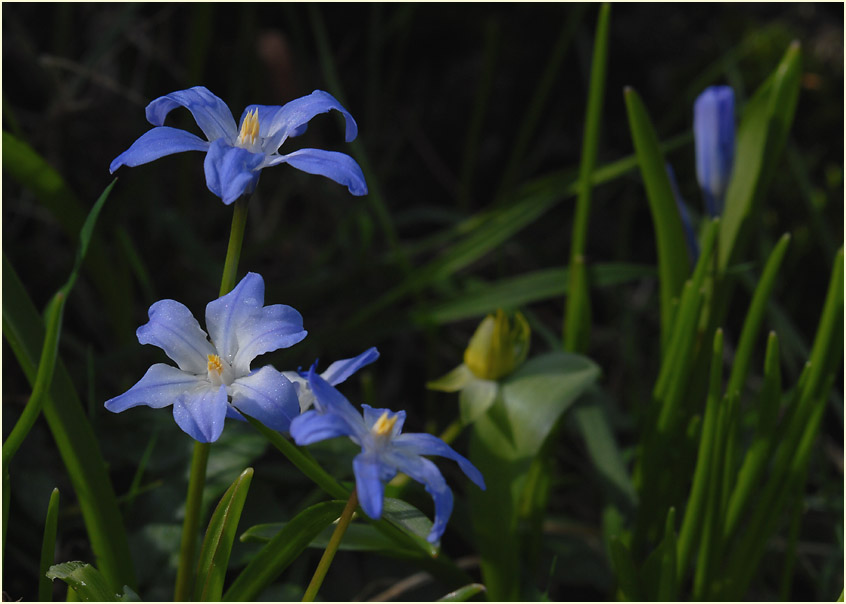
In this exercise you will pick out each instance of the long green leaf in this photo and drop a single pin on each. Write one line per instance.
(755, 315)
(49, 350)
(514, 292)
(760, 139)
(282, 549)
(220, 535)
(577, 314)
(463, 594)
(624, 570)
(74, 437)
(669, 234)
(87, 582)
(48, 548)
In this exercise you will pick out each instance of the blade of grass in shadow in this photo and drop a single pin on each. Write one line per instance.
(534, 113)
(477, 115)
(577, 317)
(48, 548)
(669, 234)
(374, 197)
(24, 330)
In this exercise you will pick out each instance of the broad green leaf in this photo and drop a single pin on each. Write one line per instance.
(514, 292)
(669, 234)
(48, 548)
(602, 447)
(220, 535)
(282, 549)
(577, 313)
(74, 437)
(503, 445)
(476, 398)
(408, 518)
(462, 594)
(85, 580)
(761, 136)
(358, 538)
(453, 381)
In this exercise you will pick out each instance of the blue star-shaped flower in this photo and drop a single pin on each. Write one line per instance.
(384, 450)
(213, 379)
(235, 155)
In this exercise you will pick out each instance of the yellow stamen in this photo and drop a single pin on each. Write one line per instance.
(384, 425)
(249, 128)
(215, 366)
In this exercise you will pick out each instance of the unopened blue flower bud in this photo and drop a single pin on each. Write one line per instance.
(713, 132)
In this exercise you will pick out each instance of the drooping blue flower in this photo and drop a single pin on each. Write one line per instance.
(213, 379)
(336, 373)
(384, 450)
(235, 155)
(713, 132)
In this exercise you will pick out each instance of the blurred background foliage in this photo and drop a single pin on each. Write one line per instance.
(470, 120)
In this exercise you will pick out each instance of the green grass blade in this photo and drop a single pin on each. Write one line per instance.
(577, 315)
(692, 524)
(220, 535)
(761, 136)
(283, 549)
(48, 548)
(74, 437)
(755, 316)
(625, 571)
(669, 235)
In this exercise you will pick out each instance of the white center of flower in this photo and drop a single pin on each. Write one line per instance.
(249, 131)
(383, 427)
(220, 372)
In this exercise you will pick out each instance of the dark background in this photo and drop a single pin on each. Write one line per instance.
(440, 93)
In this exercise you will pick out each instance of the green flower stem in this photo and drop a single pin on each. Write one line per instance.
(331, 548)
(200, 458)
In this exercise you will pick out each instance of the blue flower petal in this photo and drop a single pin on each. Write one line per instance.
(292, 118)
(427, 444)
(339, 371)
(268, 396)
(157, 143)
(226, 314)
(328, 400)
(160, 387)
(174, 329)
(274, 327)
(425, 472)
(231, 171)
(339, 167)
(201, 412)
(211, 114)
(312, 426)
(370, 477)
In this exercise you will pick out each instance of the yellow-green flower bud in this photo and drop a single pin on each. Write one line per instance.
(498, 347)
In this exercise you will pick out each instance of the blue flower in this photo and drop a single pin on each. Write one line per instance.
(336, 373)
(713, 132)
(235, 156)
(213, 379)
(384, 450)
